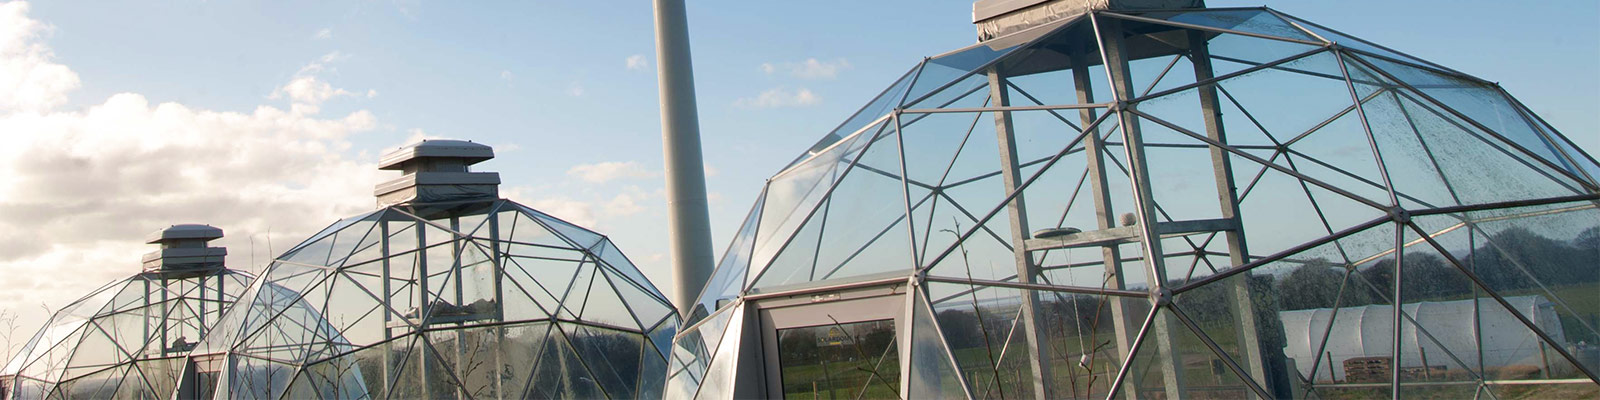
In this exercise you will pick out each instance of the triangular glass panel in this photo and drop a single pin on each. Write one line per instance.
(1229, 53)
(984, 254)
(1358, 44)
(1438, 162)
(1530, 253)
(339, 226)
(718, 381)
(561, 374)
(1439, 313)
(651, 369)
(523, 347)
(1174, 359)
(932, 374)
(946, 149)
(1481, 102)
(647, 308)
(793, 194)
(612, 356)
(580, 237)
(856, 226)
(515, 226)
(473, 357)
(522, 289)
(1258, 21)
(686, 365)
(257, 378)
(617, 262)
(405, 357)
(348, 240)
(101, 385)
(574, 298)
(871, 112)
(969, 92)
(729, 279)
(942, 71)
(603, 306)
(357, 315)
(661, 336)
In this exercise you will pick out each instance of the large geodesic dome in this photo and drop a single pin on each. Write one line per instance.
(1206, 203)
(447, 292)
(129, 338)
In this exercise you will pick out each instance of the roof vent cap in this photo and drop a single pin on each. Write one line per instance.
(184, 247)
(437, 171)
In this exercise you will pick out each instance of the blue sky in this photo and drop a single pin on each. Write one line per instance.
(565, 90)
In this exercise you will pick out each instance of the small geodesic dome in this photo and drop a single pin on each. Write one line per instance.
(446, 292)
(128, 339)
(1102, 200)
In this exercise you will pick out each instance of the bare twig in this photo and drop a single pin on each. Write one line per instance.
(983, 325)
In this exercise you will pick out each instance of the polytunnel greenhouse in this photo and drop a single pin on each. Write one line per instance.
(1113, 201)
(129, 338)
(447, 291)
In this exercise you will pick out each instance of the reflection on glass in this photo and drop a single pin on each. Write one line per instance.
(856, 360)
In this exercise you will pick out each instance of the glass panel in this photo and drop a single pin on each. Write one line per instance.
(1358, 44)
(1480, 102)
(932, 374)
(954, 67)
(618, 262)
(1440, 344)
(602, 305)
(1535, 257)
(1435, 160)
(561, 373)
(728, 280)
(792, 195)
(859, 230)
(845, 360)
(876, 108)
(581, 237)
(612, 356)
(1252, 21)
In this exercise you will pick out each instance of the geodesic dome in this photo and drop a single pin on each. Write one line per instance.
(449, 292)
(1122, 203)
(128, 339)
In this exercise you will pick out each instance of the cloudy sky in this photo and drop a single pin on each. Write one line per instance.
(266, 118)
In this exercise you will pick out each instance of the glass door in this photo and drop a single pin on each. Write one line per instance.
(835, 349)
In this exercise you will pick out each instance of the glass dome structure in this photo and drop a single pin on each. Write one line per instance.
(447, 291)
(1211, 203)
(129, 338)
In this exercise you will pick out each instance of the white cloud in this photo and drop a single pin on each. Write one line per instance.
(324, 63)
(811, 68)
(574, 211)
(507, 75)
(29, 79)
(637, 62)
(611, 170)
(309, 90)
(324, 34)
(80, 188)
(780, 97)
(575, 89)
(623, 205)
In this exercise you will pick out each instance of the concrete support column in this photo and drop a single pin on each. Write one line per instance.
(689, 223)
